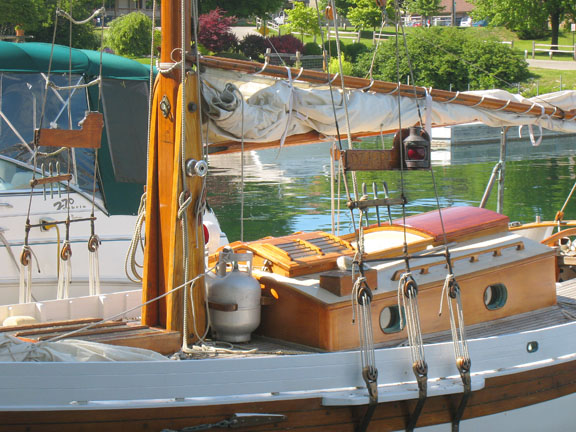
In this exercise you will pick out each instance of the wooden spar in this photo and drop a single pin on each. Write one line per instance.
(442, 96)
(163, 262)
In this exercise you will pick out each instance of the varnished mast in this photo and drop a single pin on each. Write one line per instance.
(163, 259)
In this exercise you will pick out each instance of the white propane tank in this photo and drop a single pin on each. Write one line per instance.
(234, 299)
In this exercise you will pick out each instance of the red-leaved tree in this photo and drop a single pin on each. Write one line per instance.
(214, 31)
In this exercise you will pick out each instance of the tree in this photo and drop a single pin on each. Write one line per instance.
(437, 58)
(426, 8)
(214, 31)
(528, 18)
(303, 19)
(27, 13)
(366, 13)
(244, 8)
(131, 34)
(83, 35)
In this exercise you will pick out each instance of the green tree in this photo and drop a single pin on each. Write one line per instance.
(244, 8)
(364, 14)
(83, 35)
(130, 34)
(444, 57)
(27, 13)
(528, 18)
(426, 8)
(303, 19)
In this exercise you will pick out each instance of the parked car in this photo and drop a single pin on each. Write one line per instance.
(481, 23)
(466, 22)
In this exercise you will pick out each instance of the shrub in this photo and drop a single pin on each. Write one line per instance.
(286, 44)
(130, 34)
(442, 57)
(214, 31)
(331, 49)
(312, 48)
(254, 46)
(334, 67)
(352, 51)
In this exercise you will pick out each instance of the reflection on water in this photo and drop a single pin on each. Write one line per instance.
(289, 190)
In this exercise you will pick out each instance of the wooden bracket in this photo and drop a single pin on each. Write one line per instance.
(89, 136)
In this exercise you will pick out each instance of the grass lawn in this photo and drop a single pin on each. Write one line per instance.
(549, 80)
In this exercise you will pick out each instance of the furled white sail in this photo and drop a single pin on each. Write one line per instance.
(272, 109)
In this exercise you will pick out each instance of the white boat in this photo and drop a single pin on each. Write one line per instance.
(331, 349)
(27, 104)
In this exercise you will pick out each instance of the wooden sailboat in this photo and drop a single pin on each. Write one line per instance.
(331, 344)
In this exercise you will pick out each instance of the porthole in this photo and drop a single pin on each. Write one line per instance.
(495, 296)
(390, 319)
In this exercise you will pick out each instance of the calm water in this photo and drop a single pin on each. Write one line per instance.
(289, 191)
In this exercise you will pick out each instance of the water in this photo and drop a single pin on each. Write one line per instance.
(289, 191)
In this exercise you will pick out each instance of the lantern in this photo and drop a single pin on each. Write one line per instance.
(416, 149)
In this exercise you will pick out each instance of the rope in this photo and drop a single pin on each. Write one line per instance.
(408, 303)
(130, 265)
(66, 15)
(451, 290)
(94, 82)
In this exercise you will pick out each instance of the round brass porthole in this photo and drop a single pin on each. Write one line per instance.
(495, 296)
(390, 319)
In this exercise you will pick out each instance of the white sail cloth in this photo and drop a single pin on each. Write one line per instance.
(271, 109)
(13, 349)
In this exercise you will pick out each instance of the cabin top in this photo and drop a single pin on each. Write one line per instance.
(313, 252)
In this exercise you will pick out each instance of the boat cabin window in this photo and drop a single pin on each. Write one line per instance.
(495, 296)
(390, 319)
(22, 110)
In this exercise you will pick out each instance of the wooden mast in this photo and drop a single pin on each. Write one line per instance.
(163, 257)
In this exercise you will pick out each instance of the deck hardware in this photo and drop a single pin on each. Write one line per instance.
(198, 168)
(192, 107)
(375, 194)
(165, 106)
(532, 347)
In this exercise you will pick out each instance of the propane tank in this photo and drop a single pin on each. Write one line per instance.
(234, 298)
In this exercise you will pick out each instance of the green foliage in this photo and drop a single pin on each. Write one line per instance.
(332, 49)
(303, 19)
(83, 36)
(529, 18)
(244, 8)
(441, 57)
(352, 51)
(312, 48)
(334, 67)
(365, 14)
(130, 34)
(28, 13)
(254, 46)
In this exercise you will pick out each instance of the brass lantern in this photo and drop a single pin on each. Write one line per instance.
(416, 149)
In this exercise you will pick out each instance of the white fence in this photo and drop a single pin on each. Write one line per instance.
(568, 49)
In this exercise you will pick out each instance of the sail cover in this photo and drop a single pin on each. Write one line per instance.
(262, 110)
